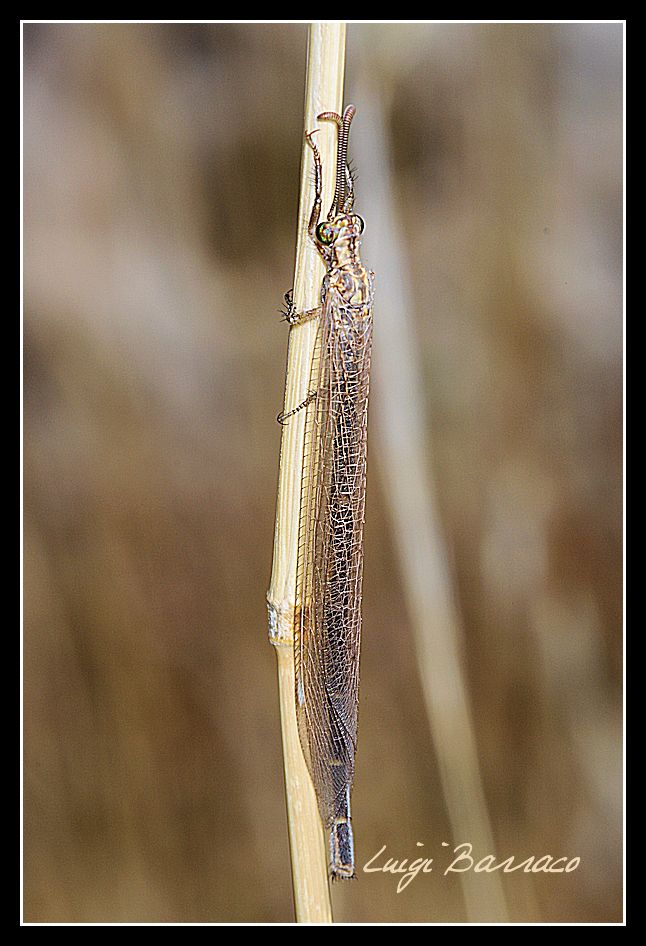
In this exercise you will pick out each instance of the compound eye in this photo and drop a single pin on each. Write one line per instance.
(360, 223)
(326, 233)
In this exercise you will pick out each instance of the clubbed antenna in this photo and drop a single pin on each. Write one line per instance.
(342, 157)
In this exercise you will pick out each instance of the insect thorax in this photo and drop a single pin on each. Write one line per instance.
(352, 282)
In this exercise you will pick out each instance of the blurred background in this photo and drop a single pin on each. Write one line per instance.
(161, 168)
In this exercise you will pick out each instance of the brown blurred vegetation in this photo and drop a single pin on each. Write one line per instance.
(161, 179)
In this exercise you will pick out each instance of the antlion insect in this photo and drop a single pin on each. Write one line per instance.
(327, 620)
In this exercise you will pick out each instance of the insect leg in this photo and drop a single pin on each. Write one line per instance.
(316, 207)
(318, 186)
(297, 318)
(288, 310)
(281, 418)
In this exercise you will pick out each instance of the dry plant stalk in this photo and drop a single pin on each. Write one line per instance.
(324, 92)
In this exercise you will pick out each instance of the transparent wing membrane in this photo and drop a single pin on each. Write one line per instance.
(328, 629)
